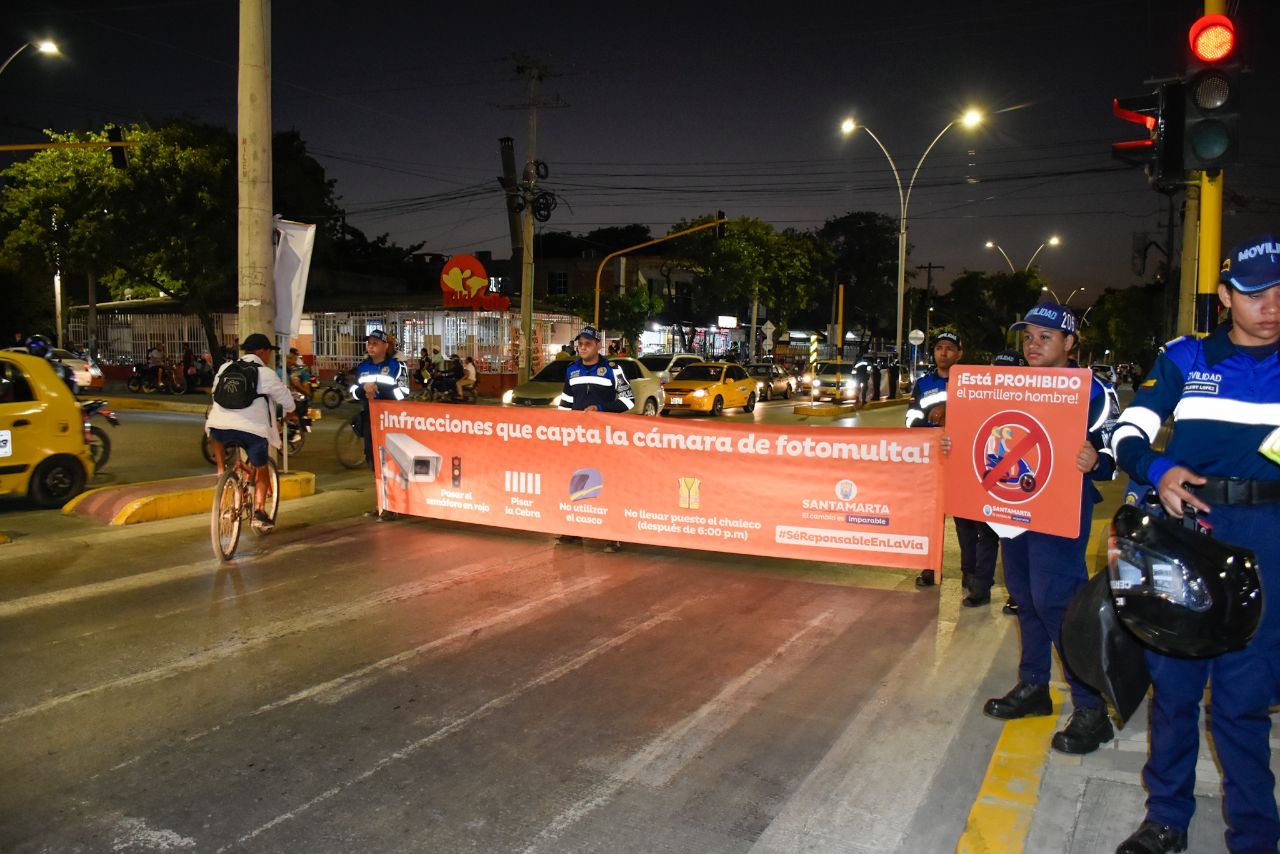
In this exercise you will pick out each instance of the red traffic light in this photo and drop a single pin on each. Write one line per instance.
(1212, 38)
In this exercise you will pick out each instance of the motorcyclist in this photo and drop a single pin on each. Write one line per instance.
(38, 345)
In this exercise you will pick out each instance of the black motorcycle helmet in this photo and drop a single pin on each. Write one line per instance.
(38, 345)
(1183, 593)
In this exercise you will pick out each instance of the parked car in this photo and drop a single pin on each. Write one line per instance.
(44, 449)
(835, 380)
(711, 387)
(669, 365)
(1104, 372)
(772, 381)
(806, 377)
(544, 388)
(87, 373)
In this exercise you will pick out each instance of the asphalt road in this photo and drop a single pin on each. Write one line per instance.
(353, 685)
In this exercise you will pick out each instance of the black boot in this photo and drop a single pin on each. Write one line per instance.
(1152, 838)
(1085, 732)
(1024, 701)
(1010, 607)
(925, 578)
(973, 600)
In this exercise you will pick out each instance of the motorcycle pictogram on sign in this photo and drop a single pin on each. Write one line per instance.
(1012, 457)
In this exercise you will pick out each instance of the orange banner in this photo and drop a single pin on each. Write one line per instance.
(857, 495)
(1014, 437)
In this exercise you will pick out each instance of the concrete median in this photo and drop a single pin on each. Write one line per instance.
(129, 504)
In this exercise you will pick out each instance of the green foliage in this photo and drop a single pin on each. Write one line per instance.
(982, 306)
(863, 249)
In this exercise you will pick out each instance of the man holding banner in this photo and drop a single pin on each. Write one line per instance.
(978, 543)
(1043, 571)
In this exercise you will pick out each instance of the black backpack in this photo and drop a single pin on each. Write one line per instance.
(237, 385)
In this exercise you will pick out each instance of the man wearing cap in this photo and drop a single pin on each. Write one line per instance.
(1223, 459)
(593, 384)
(1043, 571)
(380, 376)
(253, 428)
(978, 543)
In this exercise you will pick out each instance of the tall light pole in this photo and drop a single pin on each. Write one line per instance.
(1045, 289)
(1052, 241)
(46, 47)
(971, 118)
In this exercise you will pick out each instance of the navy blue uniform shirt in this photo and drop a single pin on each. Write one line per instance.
(601, 385)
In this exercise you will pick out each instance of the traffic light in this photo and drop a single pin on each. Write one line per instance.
(1160, 154)
(1211, 92)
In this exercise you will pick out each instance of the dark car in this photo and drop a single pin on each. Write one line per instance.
(772, 381)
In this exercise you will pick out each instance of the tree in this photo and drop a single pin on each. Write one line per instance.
(864, 256)
(982, 306)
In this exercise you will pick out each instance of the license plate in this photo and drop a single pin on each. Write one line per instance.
(676, 401)
(6, 443)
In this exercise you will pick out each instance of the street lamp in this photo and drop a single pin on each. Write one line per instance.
(46, 47)
(1045, 289)
(971, 118)
(1052, 241)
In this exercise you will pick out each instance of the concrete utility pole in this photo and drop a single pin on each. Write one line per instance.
(535, 73)
(255, 255)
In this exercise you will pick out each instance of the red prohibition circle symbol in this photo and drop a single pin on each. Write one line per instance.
(1012, 457)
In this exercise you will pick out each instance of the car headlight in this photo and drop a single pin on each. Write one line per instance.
(508, 395)
(701, 392)
(817, 383)
(805, 378)
(848, 383)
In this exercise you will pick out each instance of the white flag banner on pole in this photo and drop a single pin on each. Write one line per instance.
(293, 262)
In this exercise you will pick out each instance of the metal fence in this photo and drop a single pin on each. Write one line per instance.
(123, 339)
(338, 338)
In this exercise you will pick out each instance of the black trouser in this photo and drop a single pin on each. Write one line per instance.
(978, 547)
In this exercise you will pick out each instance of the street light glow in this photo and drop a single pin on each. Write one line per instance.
(1054, 241)
(848, 126)
(46, 47)
(971, 118)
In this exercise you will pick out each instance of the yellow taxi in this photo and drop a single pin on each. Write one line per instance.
(43, 449)
(711, 387)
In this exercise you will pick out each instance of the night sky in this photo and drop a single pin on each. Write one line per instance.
(677, 110)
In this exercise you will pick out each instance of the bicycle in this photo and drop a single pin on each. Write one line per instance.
(348, 446)
(233, 499)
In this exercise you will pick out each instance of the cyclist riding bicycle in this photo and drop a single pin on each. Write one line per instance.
(253, 427)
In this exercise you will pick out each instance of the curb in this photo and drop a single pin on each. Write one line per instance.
(186, 502)
(149, 404)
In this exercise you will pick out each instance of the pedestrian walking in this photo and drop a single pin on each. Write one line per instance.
(1223, 393)
(978, 543)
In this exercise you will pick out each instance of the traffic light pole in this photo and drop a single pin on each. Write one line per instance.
(1210, 253)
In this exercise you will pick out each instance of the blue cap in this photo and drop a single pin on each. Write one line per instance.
(1008, 358)
(380, 334)
(1049, 315)
(948, 336)
(1253, 265)
(590, 332)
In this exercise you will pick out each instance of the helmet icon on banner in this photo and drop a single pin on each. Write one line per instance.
(1012, 456)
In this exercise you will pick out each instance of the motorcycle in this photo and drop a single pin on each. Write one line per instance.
(338, 390)
(149, 378)
(99, 441)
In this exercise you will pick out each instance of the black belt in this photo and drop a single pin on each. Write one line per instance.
(1234, 490)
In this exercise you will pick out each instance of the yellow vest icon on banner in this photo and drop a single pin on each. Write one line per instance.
(690, 493)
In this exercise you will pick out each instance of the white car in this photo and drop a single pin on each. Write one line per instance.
(86, 371)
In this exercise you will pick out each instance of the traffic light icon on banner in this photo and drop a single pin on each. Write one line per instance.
(1211, 95)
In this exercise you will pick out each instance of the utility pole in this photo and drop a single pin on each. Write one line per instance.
(255, 254)
(928, 293)
(535, 73)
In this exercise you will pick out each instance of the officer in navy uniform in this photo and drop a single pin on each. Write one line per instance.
(380, 376)
(978, 543)
(594, 384)
(1043, 571)
(1223, 392)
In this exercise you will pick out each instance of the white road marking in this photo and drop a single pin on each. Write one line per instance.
(466, 720)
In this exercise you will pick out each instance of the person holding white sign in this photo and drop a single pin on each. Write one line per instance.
(1042, 571)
